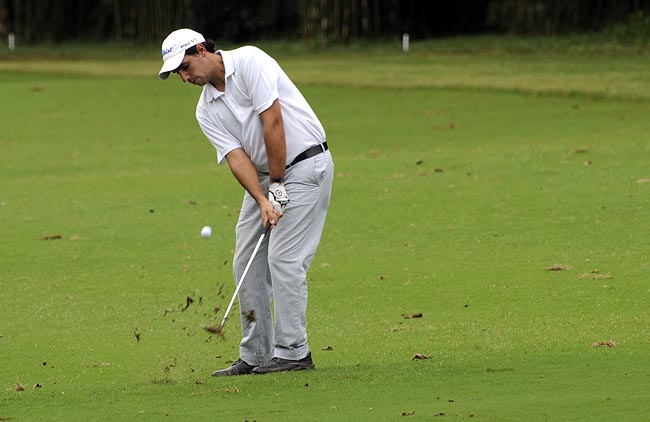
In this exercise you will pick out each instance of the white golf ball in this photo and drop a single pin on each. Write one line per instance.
(206, 231)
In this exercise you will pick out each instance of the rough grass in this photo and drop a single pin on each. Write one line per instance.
(516, 224)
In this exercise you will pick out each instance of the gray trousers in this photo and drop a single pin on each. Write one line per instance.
(279, 272)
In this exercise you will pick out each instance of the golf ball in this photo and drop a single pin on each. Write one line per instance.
(206, 231)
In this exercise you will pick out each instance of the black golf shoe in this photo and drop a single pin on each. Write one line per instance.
(238, 368)
(285, 365)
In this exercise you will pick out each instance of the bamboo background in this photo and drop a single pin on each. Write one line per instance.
(322, 21)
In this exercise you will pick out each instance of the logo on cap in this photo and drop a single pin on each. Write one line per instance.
(183, 46)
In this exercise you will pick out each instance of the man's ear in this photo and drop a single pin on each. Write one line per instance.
(200, 48)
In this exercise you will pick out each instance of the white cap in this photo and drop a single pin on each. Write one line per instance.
(173, 49)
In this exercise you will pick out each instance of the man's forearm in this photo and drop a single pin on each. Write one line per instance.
(244, 171)
(246, 174)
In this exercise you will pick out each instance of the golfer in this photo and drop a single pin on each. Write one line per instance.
(274, 144)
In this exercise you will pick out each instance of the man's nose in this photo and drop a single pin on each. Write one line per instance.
(184, 75)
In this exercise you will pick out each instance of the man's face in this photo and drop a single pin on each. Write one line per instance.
(194, 68)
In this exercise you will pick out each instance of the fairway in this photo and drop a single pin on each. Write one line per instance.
(485, 256)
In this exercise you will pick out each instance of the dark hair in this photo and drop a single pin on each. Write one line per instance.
(208, 44)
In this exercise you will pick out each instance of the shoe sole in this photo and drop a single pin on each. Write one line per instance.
(298, 368)
(231, 375)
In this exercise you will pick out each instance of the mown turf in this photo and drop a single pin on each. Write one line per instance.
(515, 223)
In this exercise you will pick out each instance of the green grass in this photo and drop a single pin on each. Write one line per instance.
(453, 196)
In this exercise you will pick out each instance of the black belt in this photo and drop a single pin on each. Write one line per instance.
(313, 151)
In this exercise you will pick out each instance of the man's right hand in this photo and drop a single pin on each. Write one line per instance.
(268, 213)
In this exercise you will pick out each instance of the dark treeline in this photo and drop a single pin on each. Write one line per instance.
(323, 21)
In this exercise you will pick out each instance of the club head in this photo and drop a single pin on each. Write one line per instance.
(216, 329)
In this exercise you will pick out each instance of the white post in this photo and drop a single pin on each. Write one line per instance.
(12, 41)
(405, 43)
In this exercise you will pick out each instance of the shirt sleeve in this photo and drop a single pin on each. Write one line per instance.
(261, 75)
(222, 140)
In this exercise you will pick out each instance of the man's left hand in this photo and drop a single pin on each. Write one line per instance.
(278, 196)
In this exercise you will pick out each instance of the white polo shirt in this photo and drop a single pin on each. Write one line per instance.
(230, 119)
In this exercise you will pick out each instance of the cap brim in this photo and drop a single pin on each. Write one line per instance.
(171, 63)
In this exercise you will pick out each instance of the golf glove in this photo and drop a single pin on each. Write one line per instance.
(278, 196)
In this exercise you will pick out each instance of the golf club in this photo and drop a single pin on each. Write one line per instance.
(241, 280)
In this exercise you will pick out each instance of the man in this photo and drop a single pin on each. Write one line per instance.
(260, 124)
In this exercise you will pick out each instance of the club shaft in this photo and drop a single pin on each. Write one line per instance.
(243, 276)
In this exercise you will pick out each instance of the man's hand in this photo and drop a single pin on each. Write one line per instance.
(278, 197)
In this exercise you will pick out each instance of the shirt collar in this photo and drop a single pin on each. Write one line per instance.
(228, 62)
(210, 92)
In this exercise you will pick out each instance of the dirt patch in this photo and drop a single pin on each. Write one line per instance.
(608, 343)
(52, 237)
(558, 267)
